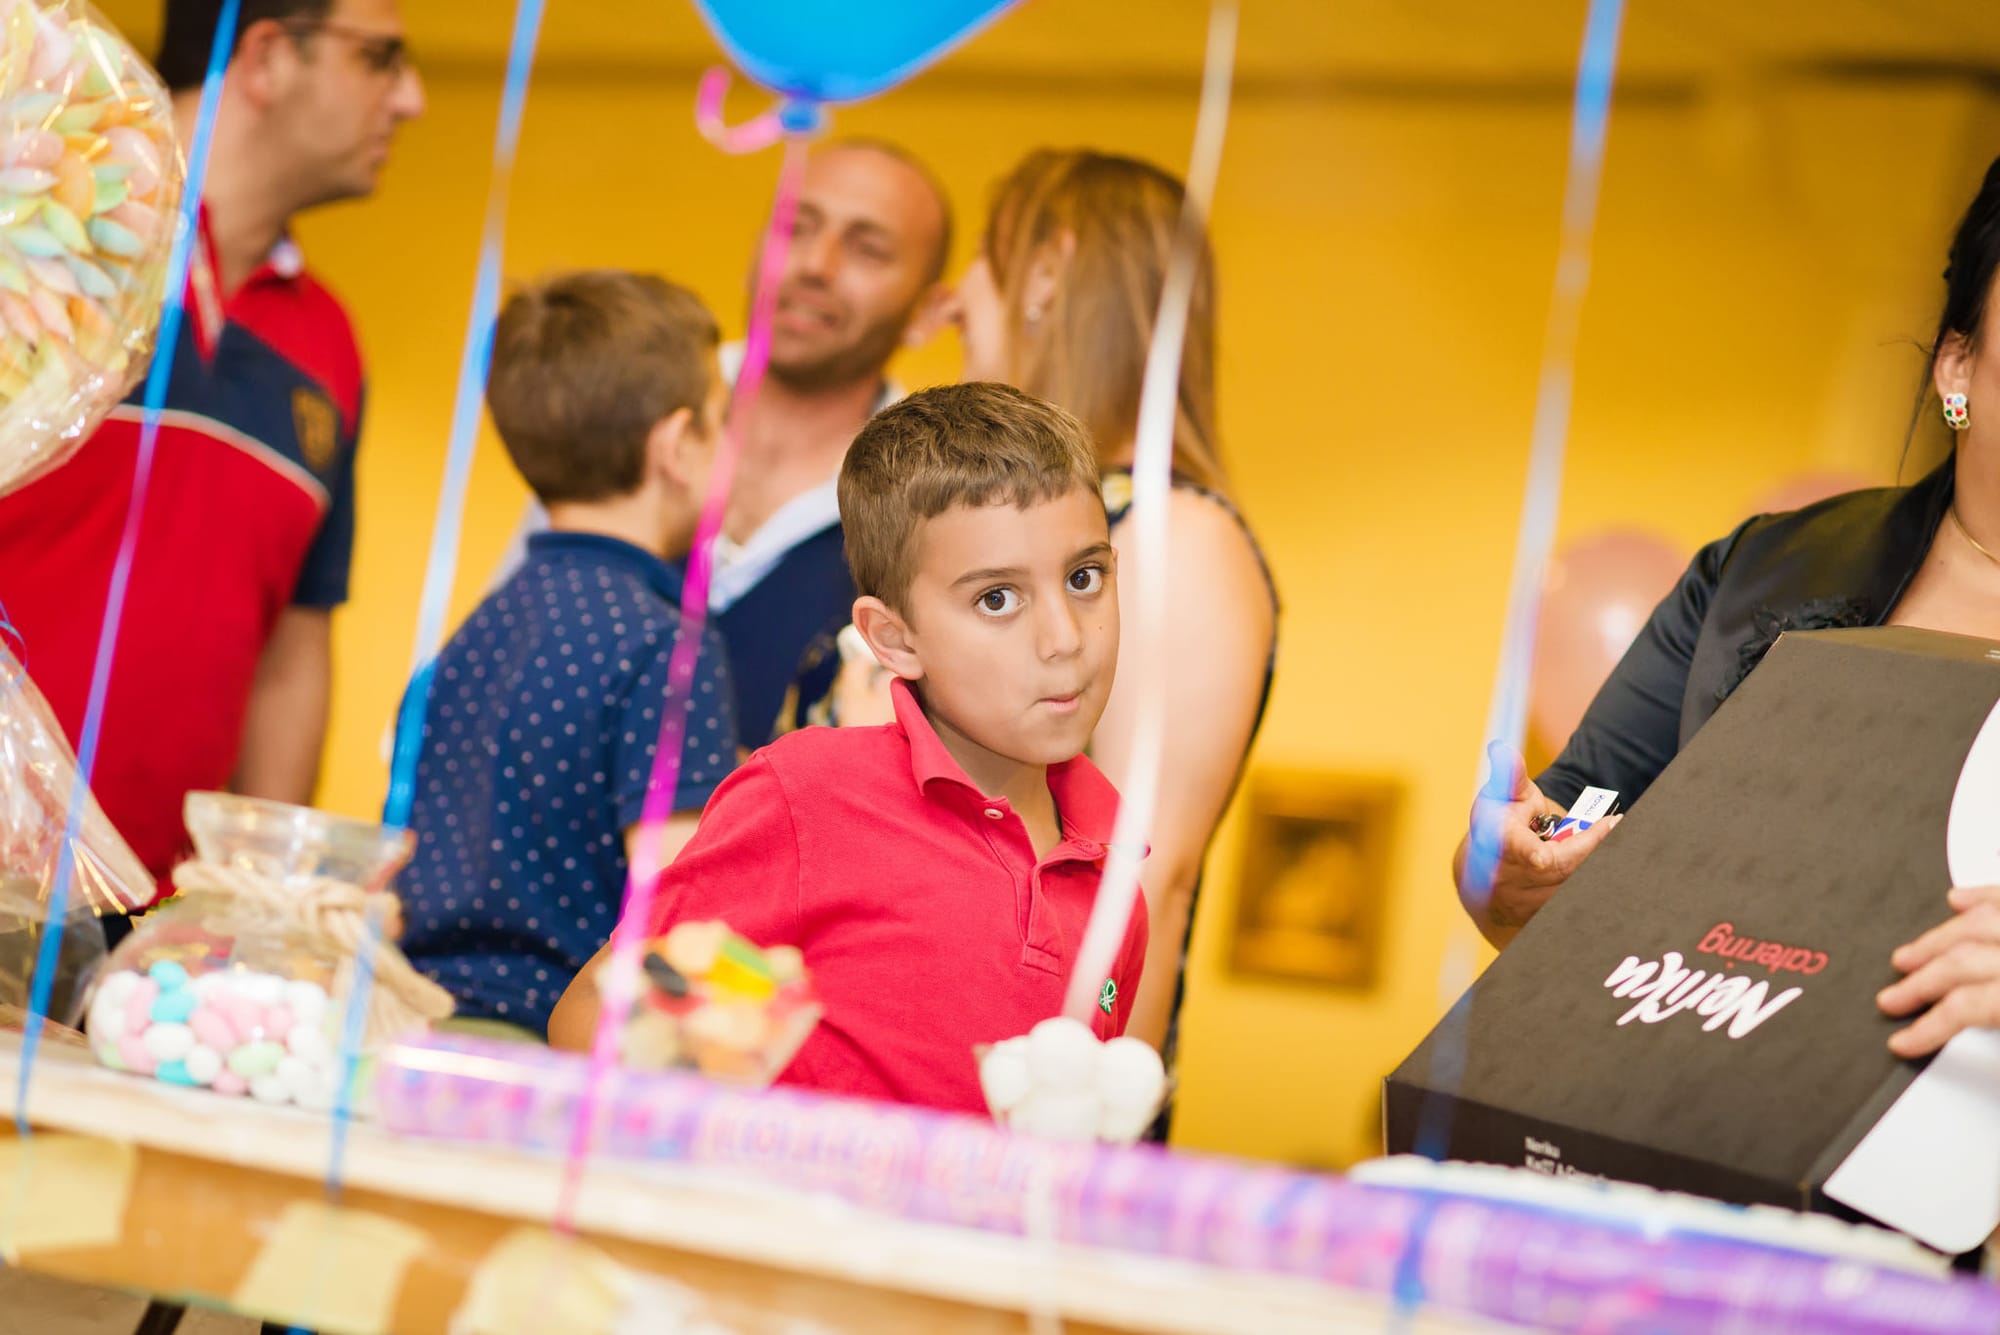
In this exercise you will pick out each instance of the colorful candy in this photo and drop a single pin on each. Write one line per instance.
(90, 181)
(716, 1002)
(235, 1031)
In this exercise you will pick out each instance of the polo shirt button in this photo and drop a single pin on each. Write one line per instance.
(994, 813)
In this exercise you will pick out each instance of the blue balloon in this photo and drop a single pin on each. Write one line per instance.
(841, 50)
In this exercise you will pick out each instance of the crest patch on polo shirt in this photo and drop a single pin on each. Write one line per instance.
(318, 424)
(1107, 996)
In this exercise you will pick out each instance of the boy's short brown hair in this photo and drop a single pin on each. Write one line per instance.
(585, 364)
(974, 444)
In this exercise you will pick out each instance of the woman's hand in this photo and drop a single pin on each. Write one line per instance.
(1528, 868)
(1954, 969)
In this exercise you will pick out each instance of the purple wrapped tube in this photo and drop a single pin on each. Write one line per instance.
(1511, 1262)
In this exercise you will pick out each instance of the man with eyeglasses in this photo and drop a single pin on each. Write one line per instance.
(223, 671)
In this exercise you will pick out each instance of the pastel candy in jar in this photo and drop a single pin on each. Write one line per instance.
(235, 1031)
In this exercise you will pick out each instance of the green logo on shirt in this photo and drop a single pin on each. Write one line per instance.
(1107, 995)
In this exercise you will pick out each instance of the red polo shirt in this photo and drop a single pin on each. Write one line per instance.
(924, 916)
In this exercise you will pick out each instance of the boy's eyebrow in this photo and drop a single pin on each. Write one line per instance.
(1095, 549)
(989, 573)
(985, 573)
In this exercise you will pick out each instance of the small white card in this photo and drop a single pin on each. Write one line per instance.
(1592, 806)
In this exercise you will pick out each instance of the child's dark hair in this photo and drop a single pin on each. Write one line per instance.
(585, 364)
(975, 444)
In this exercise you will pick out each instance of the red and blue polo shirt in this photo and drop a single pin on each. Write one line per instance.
(250, 510)
(925, 918)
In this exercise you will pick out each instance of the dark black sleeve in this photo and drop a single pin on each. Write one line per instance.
(1633, 727)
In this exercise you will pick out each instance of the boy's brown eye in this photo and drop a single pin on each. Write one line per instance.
(998, 601)
(1087, 579)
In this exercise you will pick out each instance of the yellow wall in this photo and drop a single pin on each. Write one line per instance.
(1768, 247)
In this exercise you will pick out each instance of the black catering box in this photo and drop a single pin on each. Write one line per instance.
(1695, 1009)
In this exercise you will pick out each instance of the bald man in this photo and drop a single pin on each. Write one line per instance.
(863, 277)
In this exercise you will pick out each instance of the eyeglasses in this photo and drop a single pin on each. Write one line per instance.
(381, 53)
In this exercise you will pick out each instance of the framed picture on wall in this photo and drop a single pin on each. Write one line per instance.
(1314, 874)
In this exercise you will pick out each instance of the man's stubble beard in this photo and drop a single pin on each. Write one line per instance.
(867, 358)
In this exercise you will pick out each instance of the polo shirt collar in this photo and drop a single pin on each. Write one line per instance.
(205, 299)
(1085, 799)
(602, 547)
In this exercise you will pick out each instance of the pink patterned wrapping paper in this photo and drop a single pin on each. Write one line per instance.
(1520, 1263)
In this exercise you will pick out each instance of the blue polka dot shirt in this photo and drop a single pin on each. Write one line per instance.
(538, 745)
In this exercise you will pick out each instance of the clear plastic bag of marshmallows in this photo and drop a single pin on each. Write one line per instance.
(90, 191)
(241, 982)
(37, 785)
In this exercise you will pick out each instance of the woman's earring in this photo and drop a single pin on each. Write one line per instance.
(1033, 316)
(1955, 414)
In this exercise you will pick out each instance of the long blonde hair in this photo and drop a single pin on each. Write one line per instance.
(1108, 222)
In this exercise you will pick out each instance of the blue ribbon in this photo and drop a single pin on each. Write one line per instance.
(13, 632)
(186, 236)
(1507, 714)
(473, 362)
(443, 565)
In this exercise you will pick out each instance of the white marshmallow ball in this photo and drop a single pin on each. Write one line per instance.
(306, 1001)
(1004, 1075)
(107, 1017)
(203, 1063)
(1062, 1055)
(168, 1042)
(1130, 1073)
(116, 989)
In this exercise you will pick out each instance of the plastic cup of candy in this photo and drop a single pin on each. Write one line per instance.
(714, 1002)
(1059, 1082)
(216, 991)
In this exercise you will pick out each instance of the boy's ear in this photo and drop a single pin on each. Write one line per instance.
(888, 637)
(674, 447)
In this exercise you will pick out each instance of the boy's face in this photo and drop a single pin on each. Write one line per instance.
(1012, 615)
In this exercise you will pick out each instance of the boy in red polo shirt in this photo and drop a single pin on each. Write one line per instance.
(936, 872)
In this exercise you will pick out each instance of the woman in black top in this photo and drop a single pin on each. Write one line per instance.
(1926, 555)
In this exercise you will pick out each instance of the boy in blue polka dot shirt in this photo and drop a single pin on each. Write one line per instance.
(546, 706)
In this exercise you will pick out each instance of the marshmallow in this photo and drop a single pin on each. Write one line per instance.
(203, 1064)
(168, 1042)
(1062, 1054)
(1004, 1075)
